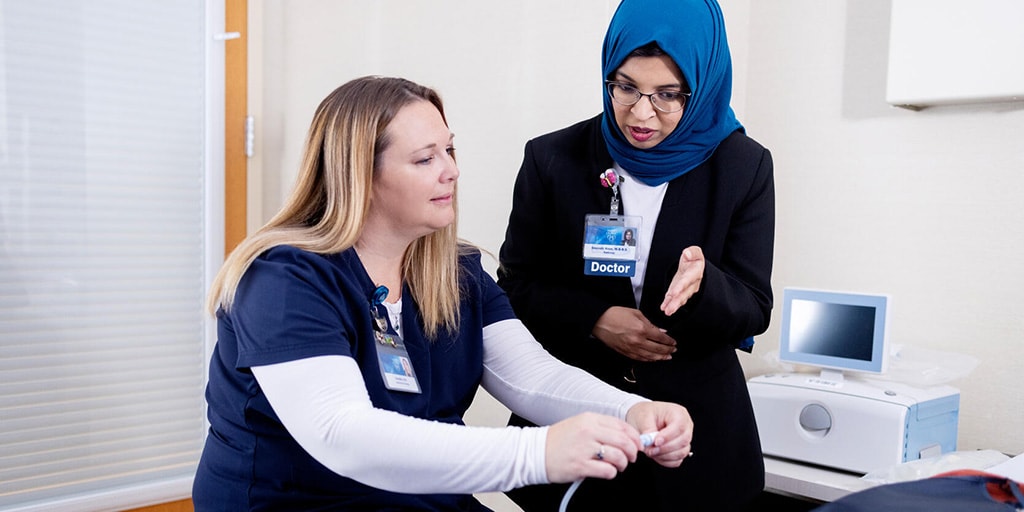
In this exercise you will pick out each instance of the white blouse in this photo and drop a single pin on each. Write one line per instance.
(641, 200)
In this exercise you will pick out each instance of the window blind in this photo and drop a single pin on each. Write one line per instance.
(103, 250)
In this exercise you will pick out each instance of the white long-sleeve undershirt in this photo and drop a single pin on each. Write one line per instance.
(323, 403)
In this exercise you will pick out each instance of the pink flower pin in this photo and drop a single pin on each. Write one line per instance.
(608, 178)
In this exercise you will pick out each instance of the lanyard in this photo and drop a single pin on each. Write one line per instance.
(383, 332)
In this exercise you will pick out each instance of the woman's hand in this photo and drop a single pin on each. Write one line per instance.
(672, 428)
(589, 445)
(628, 332)
(686, 281)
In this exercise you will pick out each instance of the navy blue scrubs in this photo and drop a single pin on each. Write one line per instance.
(292, 304)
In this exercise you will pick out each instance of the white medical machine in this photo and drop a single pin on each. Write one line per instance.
(840, 418)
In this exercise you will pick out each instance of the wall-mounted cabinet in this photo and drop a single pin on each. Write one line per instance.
(944, 52)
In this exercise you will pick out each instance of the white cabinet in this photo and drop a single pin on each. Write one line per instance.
(944, 52)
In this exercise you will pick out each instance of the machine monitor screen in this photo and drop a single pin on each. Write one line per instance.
(844, 331)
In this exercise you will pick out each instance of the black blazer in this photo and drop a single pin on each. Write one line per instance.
(726, 206)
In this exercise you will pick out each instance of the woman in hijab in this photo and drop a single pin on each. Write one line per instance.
(668, 159)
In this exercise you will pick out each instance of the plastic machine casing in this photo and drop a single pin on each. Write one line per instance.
(852, 424)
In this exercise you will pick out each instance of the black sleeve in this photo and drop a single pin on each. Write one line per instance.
(735, 299)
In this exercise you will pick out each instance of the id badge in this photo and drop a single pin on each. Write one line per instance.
(609, 245)
(393, 359)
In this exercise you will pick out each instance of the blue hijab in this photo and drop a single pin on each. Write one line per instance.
(692, 33)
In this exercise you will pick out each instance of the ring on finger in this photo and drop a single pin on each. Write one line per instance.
(600, 453)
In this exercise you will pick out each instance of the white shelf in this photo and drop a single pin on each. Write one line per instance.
(813, 482)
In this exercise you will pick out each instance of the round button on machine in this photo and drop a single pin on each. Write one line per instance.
(815, 420)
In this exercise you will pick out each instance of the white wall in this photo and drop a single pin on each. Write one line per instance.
(923, 205)
(493, 63)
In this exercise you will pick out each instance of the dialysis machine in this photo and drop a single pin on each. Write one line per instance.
(848, 422)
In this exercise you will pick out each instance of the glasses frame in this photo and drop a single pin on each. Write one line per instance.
(608, 84)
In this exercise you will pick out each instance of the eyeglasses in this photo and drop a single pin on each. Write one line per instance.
(665, 101)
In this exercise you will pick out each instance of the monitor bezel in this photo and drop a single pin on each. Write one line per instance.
(881, 303)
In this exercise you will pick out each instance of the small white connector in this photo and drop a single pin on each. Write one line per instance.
(647, 439)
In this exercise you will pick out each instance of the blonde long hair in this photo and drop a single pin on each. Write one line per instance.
(327, 209)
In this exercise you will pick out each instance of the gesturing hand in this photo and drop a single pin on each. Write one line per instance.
(686, 280)
(630, 333)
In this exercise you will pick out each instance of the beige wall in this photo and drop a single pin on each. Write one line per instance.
(925, 206)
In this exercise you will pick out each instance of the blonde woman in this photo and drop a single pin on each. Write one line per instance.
(354, 330)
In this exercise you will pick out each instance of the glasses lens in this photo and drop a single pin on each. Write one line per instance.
(668, 102)
(623, 94)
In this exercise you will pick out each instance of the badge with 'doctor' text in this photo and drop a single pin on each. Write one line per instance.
(610, 245)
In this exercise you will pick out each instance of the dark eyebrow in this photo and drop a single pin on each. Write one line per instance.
(631, 79)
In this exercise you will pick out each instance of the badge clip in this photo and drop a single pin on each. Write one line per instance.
(611, 180)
